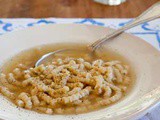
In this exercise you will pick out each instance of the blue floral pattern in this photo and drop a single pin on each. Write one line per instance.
(5, 25)
(149, 28)
(90, 21)
(40, 22)
(154, 29)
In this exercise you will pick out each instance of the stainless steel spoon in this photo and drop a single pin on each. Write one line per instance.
(152, 13)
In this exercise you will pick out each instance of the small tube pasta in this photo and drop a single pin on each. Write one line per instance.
(116, 97)
(17, 72)
(87, 65)
(80, 60)
(63, 90)
(27, 82)
(35, 100)
(120, 68)
(34, 91)
(99, 81)
(111, 63)
(5, 91)
(5, 83)
(73, 85)
(27, 100)
(118, 75)
(98, 63)
(76, 96)
(20, 103)
(12, 80)
(45, 97)
(74, 90)
(3, 79)
(66, 85)
(44, 110)
(110, 74)
(107, 91)
(77, 102)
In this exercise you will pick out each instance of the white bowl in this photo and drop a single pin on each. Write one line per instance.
(144, 59)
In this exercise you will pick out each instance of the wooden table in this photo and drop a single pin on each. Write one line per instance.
(71, 9)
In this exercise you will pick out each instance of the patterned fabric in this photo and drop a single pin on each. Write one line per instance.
(149, 32)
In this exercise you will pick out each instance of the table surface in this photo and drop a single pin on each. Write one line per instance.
(71, 9)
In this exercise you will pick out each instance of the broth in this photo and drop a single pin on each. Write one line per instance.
(30, 56)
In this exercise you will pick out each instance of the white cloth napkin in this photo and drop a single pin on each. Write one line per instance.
(150, 32)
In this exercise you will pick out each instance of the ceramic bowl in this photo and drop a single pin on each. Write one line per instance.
(144, 60)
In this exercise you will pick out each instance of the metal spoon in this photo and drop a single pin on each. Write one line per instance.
(152, 13)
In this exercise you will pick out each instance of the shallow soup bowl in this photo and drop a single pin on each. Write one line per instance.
(142, 57)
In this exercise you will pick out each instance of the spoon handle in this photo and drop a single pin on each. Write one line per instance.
(150, 14)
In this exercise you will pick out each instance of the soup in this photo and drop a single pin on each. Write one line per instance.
(70, 83)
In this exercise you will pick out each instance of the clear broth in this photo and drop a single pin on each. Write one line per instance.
(29, 57)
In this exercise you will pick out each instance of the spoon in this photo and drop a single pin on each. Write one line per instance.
(150, 14)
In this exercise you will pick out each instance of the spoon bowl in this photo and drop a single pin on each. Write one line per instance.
(62, 53)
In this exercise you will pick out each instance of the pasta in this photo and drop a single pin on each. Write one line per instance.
(20, 103)
(35, 100)
(5, 91)
(26, 99)
(68, 85)
(44, 110)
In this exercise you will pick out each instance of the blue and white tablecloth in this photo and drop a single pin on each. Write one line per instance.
(149, 32)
